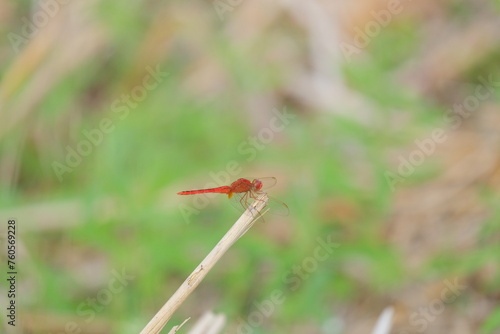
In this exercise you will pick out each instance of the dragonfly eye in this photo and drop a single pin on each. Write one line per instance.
(257, 184)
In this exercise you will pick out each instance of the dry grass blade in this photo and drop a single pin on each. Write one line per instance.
(176, 328)
(189, 285)
(384, 321)
(209, 323)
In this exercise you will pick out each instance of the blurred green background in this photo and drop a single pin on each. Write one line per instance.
(108, 109)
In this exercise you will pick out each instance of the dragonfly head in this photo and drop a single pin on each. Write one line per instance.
(257, 184)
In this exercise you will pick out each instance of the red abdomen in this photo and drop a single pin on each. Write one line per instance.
(219, 190)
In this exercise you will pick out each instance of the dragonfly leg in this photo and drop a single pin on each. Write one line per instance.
(243, 200)
(255, 197)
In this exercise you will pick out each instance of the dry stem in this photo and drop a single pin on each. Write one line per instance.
(239, 228)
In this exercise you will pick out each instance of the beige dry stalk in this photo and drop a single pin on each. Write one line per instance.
(242, 225)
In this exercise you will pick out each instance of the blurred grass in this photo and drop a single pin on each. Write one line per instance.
(173, 139)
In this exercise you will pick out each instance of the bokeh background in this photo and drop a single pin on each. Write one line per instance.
(380, 120)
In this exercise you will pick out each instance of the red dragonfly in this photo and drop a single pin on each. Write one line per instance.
(246, 191)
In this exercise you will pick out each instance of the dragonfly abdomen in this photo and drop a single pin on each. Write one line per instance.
(218, 190)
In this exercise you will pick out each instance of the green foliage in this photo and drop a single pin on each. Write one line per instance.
(174, 139)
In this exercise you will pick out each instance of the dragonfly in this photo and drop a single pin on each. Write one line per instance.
(245, 192)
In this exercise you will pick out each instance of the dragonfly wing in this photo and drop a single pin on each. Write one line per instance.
(241, 202)
(267, 182)
(276, 207)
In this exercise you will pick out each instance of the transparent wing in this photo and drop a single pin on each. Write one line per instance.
(276, 207)
(243, 200)
(267, 182)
